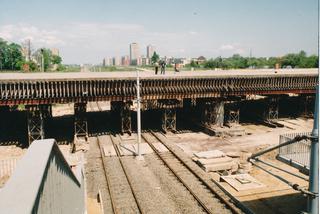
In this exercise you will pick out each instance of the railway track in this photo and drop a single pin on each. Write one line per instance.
(210, 197)
(121, 192)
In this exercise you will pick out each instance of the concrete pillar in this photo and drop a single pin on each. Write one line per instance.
(80, 120)
(212, 112)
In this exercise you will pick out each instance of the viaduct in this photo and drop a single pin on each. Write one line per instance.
(216, 94)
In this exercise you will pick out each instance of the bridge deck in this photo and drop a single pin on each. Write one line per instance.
(150, 74)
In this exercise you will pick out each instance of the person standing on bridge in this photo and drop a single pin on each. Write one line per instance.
(163, 66)
(156, 67)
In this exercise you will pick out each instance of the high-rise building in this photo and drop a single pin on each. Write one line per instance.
(145, 61)
(134, 53)
(125, 61)
(150, 51)
(26, 50)
(116, 61)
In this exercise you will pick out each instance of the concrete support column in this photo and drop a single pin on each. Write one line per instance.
(307, 105)
(80, 120)
(169, 122)
(212, 113)
(36, 115)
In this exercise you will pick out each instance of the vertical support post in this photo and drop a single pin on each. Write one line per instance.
(272, 111)
(233, 114)
(36, 115)
(80, 121)
(313, 201)
(169, 122)
(138, 115)
(125, 114)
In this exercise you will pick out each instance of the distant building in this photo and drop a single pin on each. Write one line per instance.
(145, 61)
(125, 61)
(116, 61)
(201, 59)
(150, 51)
(134, 53)
(107, 62)
(26, 50)
(55, 51)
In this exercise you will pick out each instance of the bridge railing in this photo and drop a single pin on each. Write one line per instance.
(297, 154)
(43, 182)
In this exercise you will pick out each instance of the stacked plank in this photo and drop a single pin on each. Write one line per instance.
(215, 160)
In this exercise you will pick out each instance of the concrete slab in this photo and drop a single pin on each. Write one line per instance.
(242, 182)
(204, 161)
(160, 147)
(109, 151)
(132, 149)
(210, 154)
(218, 166)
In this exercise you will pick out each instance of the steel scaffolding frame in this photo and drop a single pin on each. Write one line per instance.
(169, 121)
(80, 120)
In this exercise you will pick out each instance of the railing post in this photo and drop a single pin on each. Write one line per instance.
(313, 201)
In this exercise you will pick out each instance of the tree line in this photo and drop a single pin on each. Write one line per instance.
(12, 58)
(292, 60)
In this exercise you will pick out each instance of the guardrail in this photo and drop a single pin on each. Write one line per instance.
(43, 182)
(297, 154)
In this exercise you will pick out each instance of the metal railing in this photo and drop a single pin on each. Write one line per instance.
(43, 182)
(297, 154)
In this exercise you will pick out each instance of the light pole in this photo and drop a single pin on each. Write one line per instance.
(139, 157)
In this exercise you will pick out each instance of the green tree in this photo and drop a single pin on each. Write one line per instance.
(194, 64)
(155, 58)
(56, 59)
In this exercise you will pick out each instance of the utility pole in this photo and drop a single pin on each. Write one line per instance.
(313, 200)
(42, 60)
(139, 157)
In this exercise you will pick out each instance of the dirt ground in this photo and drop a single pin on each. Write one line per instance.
(276, 196)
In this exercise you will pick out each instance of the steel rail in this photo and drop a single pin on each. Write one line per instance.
(107, 179)
(125, 172)
(177, 176)
(230, 205)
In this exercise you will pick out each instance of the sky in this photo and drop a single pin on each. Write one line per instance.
(87, 31)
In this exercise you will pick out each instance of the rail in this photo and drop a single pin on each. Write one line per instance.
(43, 182)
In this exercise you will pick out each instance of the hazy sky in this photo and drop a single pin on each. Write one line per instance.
(87, 31)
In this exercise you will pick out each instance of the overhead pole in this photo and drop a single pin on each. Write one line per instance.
(139, 157)
(313, 201)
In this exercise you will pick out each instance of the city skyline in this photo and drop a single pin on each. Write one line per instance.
(208, 28)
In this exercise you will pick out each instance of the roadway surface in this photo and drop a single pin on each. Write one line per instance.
(146, 74)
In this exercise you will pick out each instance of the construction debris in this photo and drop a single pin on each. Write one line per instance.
(242, 182)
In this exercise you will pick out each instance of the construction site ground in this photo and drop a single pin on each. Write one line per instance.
(274, 197)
